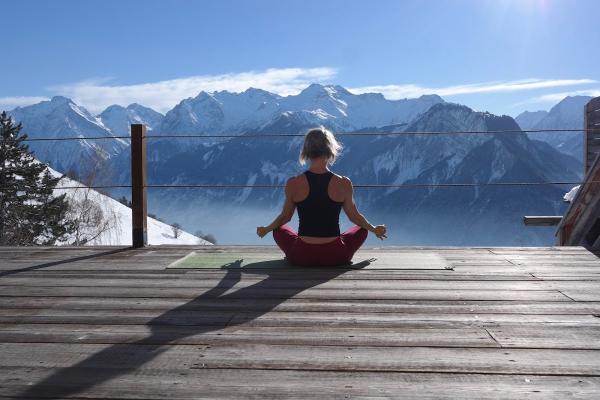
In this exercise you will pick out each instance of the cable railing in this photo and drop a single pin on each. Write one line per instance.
(288, 135)
(360, 186)
(359, 134)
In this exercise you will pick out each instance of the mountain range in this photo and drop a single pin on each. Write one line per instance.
(486, 214)
(254, 109)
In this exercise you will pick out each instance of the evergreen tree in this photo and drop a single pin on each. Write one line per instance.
(123, 200)
(29, 212)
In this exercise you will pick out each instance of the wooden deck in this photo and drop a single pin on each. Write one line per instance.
(501, 323)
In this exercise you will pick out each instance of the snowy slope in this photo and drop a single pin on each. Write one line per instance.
(119, 219)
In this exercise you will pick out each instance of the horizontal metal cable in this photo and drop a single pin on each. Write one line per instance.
(367, 186)
(93, 187)
(374, 186)
(271, 135)
(286, 135)
(48, 139)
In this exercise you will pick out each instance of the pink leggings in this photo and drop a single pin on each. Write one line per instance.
(336, 252)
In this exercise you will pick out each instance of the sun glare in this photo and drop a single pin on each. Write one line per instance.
(526, 7)
(530, 6)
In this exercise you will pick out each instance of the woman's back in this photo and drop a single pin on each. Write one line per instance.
(319, 209)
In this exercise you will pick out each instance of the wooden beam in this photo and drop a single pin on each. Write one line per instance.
(547, 220)
(592, 133)
(139, 205)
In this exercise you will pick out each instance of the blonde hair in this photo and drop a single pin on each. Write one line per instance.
(319, 142)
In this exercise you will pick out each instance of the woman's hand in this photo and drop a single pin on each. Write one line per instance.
(380, 231)
(262, 231)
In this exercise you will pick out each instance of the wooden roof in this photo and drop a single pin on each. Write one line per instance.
(578, 225)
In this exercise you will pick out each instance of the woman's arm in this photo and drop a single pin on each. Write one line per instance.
(355, 216)
(286, 214)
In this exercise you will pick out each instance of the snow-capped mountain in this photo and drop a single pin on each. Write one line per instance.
(61, 117)
(255, 109)
(221, 112)
(115, 227)
(567, 114)
(117, 119)
(352, 112)
(529, 119)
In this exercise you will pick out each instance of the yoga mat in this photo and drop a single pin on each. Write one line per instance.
(228, 260)
(365, 260)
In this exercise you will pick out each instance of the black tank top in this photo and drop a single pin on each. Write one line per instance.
(319, 215)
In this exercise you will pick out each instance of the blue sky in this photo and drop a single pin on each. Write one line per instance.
(504, 56)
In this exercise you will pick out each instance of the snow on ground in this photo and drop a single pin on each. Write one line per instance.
(116, 225)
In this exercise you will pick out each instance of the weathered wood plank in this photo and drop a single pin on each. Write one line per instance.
(280, 275)
(490, 335)
(236, 283)
(276, 293)
(547, 336)
(273, 318)
(292, 357)
(303, 305)
(274, 384)
(582, 294)
(538, 269)
(325, 335)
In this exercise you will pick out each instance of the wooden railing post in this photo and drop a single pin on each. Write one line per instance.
(139, 206)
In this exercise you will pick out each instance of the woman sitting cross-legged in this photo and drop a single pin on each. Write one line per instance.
(319, 195)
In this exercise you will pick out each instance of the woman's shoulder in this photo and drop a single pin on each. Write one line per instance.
(341, 179)
(342, 183)
(295, 180)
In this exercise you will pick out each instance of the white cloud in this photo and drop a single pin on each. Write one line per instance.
(8, 103)
(555, 97)
(163, 95)
(412, 90)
